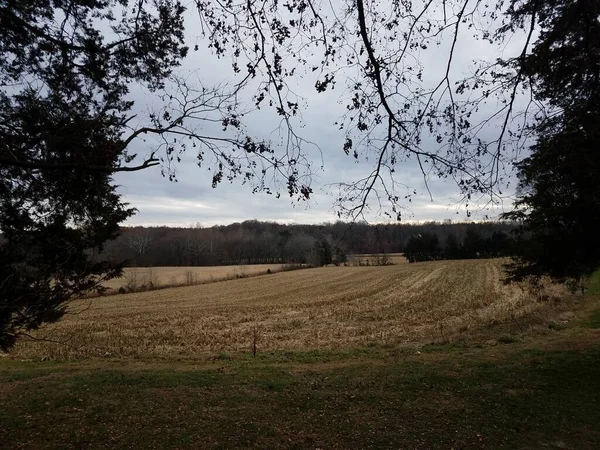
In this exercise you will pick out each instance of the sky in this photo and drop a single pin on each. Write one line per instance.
(191, 199)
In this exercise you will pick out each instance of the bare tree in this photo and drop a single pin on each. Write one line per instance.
(467, 127)
(196, 247)
(139, 240)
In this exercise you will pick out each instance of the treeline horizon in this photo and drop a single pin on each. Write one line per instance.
(263, 242)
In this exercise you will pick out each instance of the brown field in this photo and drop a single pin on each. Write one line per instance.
(138, 277)
(177, 276)
(324, 308)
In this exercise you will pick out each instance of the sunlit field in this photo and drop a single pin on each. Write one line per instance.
(323, 308)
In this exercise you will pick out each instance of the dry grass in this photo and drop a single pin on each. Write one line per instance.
(178, 276)
(323, 308)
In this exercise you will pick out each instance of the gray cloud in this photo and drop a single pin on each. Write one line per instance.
(192, 199)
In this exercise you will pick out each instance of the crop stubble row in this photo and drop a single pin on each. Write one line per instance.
(329, 307)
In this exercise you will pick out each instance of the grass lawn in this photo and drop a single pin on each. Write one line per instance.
(541, 392)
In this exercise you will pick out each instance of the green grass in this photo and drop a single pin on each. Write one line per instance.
(498, 397)
(593, 284)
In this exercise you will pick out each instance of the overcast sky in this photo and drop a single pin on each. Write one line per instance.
(192, 200)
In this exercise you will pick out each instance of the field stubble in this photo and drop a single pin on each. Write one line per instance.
(324, 308)
(135, 278)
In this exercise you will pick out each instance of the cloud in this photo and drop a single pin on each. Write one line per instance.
(192, 199)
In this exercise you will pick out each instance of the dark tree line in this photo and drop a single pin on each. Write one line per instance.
(558, 204)
(256, 242)
(427, 246)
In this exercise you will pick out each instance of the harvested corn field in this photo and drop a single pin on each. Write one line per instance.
(137, 278)
(331, 307)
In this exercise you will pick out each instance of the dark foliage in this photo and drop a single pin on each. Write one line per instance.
(559, 201)
(426, 246)
(322, 253)
(339, 256)
(63, 112)
(423, 247)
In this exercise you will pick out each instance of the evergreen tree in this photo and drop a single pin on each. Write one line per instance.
(452, 248)
(322, 253)
(473, 246)
(64, 114)
(559, 197)
(422, 247)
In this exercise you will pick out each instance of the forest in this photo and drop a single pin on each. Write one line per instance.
(258, 242)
